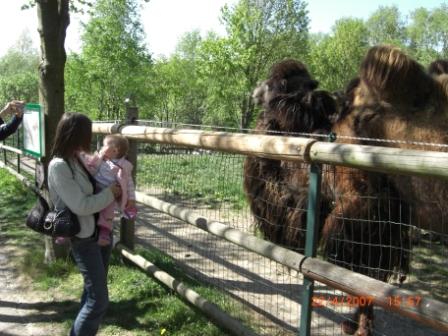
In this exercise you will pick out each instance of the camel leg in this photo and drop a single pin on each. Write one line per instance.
(365, 327)
(362, 323)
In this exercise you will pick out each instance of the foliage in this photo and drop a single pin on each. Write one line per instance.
(259, 33)
(334, 59)
(114, 63)
(220, 68)
(428, 34)
(79, 6)
(179, 93)
(18, 72)
(386, 25)
(209, 79)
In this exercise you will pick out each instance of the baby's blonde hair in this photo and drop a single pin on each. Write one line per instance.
(120, 142)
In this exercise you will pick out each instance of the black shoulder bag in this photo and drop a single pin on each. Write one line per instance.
(55, 223)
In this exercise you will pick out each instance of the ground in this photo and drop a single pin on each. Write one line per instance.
(26, 312)
(23, 311)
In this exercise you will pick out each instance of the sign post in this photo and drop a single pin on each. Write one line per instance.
(33, 131)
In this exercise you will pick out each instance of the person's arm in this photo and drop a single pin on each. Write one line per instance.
(9, 128)
(127, 168)
(62, 180)
(14, 107)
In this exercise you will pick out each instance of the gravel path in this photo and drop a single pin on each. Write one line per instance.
(23, 312)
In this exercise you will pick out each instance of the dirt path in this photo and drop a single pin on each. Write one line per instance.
(23, 312)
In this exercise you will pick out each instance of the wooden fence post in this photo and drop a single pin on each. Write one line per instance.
(127, 226)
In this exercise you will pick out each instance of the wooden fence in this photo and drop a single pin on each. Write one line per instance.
(379, 159)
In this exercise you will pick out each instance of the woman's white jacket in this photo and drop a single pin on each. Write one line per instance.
(69, 186)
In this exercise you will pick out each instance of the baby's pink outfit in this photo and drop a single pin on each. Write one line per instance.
(106, 173)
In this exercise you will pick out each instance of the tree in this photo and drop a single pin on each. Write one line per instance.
(18, 72)
(190, 85)
(335, 59)
(177, 85)
(53, 20)
(386, 25)
(260, 32)
(428, 34)
(114, 63)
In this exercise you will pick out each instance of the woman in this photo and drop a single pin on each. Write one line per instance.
(70, 186)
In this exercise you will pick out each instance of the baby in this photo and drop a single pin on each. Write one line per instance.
(107, 167)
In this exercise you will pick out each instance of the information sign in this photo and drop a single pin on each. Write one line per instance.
(33, 130)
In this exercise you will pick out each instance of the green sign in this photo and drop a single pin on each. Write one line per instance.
(33, 130)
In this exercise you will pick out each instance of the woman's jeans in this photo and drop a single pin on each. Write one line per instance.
(93, 262)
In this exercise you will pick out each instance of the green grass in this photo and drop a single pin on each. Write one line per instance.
(429, 263)
(15, 198)
(139, 305)
(208, 179)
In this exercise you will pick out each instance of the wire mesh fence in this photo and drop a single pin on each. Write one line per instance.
(384, 243)
(211, 184)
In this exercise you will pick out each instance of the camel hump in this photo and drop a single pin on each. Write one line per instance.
(396, 77)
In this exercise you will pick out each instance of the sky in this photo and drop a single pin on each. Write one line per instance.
(165, 21)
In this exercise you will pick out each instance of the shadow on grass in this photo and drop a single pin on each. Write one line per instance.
(123, 314)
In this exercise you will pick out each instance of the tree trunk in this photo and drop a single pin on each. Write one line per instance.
(53, 20)
(247, 112)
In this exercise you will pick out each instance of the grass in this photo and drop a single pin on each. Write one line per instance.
(15, 198)
(139, 305)
(211, 178)
(429, 265)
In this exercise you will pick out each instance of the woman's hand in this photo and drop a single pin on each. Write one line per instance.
(13, 107)
(116, 190)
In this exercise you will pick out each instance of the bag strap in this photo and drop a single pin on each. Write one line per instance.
(91, 178)
(96, 215)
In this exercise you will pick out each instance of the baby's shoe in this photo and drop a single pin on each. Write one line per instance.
(104, 237)
(130, 213)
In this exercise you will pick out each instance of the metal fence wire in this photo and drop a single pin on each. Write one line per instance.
(385, 244)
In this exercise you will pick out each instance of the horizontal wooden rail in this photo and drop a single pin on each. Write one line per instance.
(428, 311)
(375, 158)
(221, 318)
(11, 149)
(289, 148)
(382, 159)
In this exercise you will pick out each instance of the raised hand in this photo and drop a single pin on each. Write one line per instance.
(13, 107)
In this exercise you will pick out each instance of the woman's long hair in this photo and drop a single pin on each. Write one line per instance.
(73, 133)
